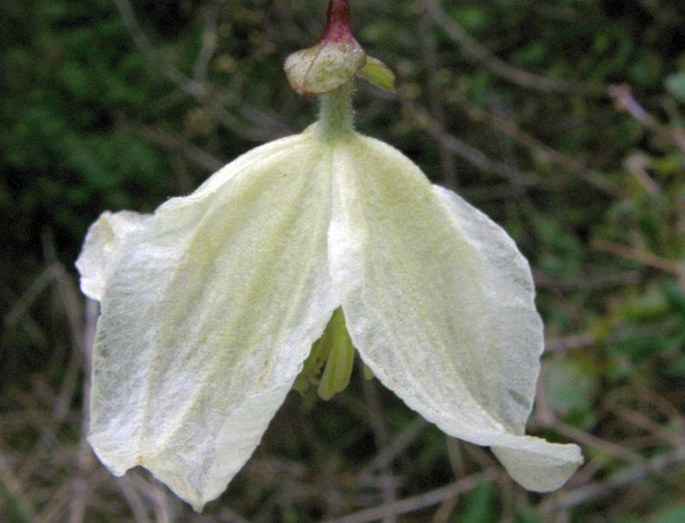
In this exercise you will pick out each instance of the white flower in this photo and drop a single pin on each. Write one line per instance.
(211, 305)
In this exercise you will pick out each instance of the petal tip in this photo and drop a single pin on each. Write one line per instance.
(540, 466)
(98, 255)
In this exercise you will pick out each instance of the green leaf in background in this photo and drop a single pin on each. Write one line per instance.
(675, 514)
(571, 388)
(480, 505)
(528, 515)
(675, 85)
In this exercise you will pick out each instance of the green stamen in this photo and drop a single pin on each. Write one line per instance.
(367, 372)
(334, 354)
(336, 375)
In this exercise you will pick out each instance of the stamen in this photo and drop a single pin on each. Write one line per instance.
(329, 365)
(336, 375)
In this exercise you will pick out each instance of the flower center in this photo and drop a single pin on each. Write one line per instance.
(330, 362)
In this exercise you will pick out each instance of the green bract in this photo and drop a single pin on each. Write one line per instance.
(211, 305)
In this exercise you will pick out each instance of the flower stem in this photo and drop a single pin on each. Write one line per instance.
(336, 115)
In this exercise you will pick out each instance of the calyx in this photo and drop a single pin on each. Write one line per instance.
(336, 60)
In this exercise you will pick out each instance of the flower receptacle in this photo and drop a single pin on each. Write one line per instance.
(336, 60)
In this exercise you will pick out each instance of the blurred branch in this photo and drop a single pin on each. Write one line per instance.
(84, 456)
(262, 126)
(380, 434)
(430, 58)
(157, 136)
(545, 152)
(595, 280)
(591, 339)
(133, 497)
(483, 57)
(20, 309)
(643, 257)
(606, 447)
(474, 156)
(210, 39)
(555, 12)
(13, 489)
(573, 341)
(659, 403)
(625, 101)
(643, 422)
(421, 501)
(598, 489)
(396, 447)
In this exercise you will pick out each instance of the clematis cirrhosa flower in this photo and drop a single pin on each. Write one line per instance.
(211, 305)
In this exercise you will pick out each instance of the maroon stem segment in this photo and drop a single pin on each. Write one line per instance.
(338, 28)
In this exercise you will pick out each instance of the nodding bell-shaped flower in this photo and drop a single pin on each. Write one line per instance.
(213, 305)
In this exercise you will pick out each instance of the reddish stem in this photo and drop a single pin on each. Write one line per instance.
(338, 28)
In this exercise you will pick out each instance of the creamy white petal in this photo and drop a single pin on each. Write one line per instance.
(438, 300)
(208, 316)
(512, 329)
(101, 251)
(538, 465)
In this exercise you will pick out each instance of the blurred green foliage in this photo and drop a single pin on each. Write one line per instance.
(562, 120)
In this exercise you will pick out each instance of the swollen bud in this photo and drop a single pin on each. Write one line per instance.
(336, 59)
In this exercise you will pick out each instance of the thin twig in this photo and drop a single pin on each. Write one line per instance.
(84, 457)
(29, 297)
(133, 498)
(469, 153)
(210, 39)
(396, 447)
(426, 38)
(14, 490)
(641, 256)
(587, 493)
(381, 439)
(264, 126)
(641, 421)
(479, 54)
(609, 448)
(544, 151)
(625, 101)
(198, 156)
(420, 502)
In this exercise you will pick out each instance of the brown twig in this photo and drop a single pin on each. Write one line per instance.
(623, 97)
(641, 256)
(474, 156)
(589, 492)
(479, 54)
(14, 489)
(84, 457)
(420, 502)
(210, 40)
(643, 422)
(427, 43)
(396, 447)
(544, 151)
(380, 433)
(166, 139)
(21, 307)
(263, 126)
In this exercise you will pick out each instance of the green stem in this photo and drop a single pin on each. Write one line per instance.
(336, 115)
